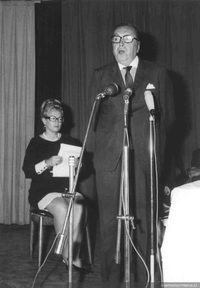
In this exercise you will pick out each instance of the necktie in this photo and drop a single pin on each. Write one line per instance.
(128, 77)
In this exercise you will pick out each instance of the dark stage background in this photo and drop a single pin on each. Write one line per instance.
(73, 38)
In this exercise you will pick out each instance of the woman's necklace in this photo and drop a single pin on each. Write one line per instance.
(49, 139)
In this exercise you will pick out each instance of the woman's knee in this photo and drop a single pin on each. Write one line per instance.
(58, 207)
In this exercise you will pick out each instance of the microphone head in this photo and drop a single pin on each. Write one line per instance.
(148, 97)
(128, 92)
(111, 89)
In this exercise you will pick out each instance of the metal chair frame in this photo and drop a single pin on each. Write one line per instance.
(44, 218)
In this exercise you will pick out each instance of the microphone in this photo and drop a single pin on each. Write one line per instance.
(110, 90)
(127, 93)
(148, 97)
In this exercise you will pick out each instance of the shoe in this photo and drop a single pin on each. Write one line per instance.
(85, 269)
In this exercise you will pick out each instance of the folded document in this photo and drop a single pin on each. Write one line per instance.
(62, 170)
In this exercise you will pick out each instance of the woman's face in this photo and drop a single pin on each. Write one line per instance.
(54, 123)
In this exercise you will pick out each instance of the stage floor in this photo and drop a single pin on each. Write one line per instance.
(18, 271)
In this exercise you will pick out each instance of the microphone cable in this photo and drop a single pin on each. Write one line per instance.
(134, 247)
(157, 206)
(40, 268)
(156, 210)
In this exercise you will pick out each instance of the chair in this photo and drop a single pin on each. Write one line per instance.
(43, 218)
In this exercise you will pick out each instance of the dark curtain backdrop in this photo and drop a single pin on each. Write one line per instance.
(73, 38)
(170, 36)
(48, 55)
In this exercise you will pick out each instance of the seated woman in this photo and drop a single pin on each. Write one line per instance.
(45, 190)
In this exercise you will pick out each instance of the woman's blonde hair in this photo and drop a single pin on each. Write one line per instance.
(49, 104)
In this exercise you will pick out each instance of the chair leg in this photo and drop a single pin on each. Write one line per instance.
(88, 244)
(40, 241)
(31, 236)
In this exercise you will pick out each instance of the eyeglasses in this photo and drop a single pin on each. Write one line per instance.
(126, 39)
(53, 119)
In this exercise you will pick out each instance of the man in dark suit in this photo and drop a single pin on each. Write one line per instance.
(108, 146)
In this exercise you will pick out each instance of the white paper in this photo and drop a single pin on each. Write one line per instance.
(62, 170)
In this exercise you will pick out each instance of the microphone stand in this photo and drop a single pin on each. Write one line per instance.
(124, 199)
(73, 182)
(71, 221)
(62, 236)
(152, 254)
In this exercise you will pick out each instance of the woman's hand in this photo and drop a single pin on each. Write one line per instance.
(76, 162)
(53, 161)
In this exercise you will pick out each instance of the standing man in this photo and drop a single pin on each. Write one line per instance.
(108, 146)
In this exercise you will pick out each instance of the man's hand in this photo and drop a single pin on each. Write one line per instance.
(193, 172)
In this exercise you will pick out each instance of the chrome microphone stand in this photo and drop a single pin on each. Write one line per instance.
(151, 146)
(148, 96)
(111, 89)
(124, 198)
(62, 236)
(70, 247)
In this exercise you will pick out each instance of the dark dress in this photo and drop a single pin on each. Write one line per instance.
(38, 150)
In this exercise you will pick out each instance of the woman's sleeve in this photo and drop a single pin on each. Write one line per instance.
(31, 161)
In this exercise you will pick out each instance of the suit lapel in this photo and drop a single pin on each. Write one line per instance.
(140, 75)
(116, 77)
(116, 74)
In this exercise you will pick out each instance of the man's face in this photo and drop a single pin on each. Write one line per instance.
(123, 52)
